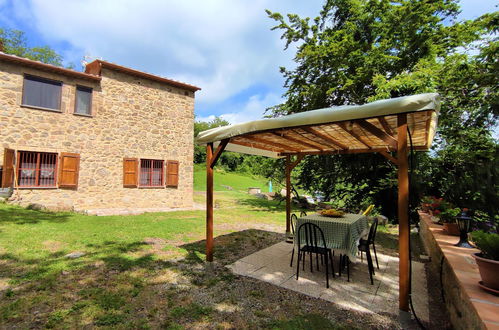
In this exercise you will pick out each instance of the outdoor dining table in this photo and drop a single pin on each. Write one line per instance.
(341, 234)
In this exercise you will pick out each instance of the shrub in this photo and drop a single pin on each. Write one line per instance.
(449, 215)
(487, 243)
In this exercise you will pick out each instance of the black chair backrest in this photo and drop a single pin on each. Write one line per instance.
(294, 222)
(372, 231)
(303, 214)
(313, 235)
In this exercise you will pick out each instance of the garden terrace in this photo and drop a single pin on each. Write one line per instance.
(378, 127)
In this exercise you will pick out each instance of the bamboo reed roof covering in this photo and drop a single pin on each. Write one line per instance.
(371, 127)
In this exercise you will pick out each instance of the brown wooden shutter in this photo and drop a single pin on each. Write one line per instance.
(8, 168)
(69, 168)
(172, 173)
(130, 172)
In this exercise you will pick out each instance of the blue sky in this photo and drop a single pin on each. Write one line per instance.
(225, 47)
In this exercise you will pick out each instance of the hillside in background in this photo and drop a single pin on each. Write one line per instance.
(236, 180)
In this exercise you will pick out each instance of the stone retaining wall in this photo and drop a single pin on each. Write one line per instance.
(469, 306)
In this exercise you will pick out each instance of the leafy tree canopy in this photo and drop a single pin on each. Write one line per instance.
(357, 51)
(15, 43)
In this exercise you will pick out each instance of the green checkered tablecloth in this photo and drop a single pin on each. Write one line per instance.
(341, 234)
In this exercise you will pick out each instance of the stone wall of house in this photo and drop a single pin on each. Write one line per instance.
(131, 117)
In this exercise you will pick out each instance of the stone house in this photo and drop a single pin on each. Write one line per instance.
(107, 138)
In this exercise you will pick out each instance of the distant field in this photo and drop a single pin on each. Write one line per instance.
(235, 180)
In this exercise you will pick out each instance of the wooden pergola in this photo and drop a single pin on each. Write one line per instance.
(379, 127)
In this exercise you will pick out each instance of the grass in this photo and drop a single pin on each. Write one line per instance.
(148, 271)
(237, 181)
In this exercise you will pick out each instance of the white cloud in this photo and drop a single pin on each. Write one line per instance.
(222, 46)
(252, 109)
(225, 47)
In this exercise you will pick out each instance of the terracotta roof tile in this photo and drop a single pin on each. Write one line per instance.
(96, 66)
(47, 67)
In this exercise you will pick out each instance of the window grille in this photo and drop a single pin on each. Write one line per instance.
(37, 169)
(151, 173)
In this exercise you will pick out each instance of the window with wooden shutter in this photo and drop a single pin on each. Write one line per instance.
(130, 172)
(69, 170)
(172, 173)
(8, 168)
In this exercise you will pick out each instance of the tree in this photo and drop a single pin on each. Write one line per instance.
(359, 51)
(199, 126)
(15, 42)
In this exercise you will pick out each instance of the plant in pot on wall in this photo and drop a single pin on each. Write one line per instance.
(488, 259)
(448, 218)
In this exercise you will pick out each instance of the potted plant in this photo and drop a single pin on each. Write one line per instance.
(426, 203)
(448, 217)
(488, 259)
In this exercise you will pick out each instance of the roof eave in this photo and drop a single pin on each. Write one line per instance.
(96, 66)
(47, 67)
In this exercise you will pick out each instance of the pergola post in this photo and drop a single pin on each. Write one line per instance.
(403, 214)
(209, 203)
(288, 195)
(211, 160)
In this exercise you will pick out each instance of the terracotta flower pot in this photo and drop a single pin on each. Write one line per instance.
(451, 228)
(488, 271)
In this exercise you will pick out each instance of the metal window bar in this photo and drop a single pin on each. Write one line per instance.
(37, 169)
(151, 173)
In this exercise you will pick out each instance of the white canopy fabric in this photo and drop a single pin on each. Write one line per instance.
(405, 104)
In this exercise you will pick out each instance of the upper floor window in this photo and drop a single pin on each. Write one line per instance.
(83, 104)
(42, 93)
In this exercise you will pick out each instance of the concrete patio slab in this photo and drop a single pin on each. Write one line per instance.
(272, 265)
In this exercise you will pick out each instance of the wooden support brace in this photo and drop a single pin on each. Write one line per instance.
(296, 162)
(218, 152)
(389, 157)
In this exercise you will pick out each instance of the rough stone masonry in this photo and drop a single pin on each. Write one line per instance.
(133, 115)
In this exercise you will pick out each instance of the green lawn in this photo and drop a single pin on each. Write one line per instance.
(148, 271)
(238, 182)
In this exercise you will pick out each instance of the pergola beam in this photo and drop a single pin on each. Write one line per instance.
(309, 139)
(292, 139)
(251, 145)
(325, 137)
(385, 125)
(388, 139)
(270, 143)
(337, 152)
(353, 134)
